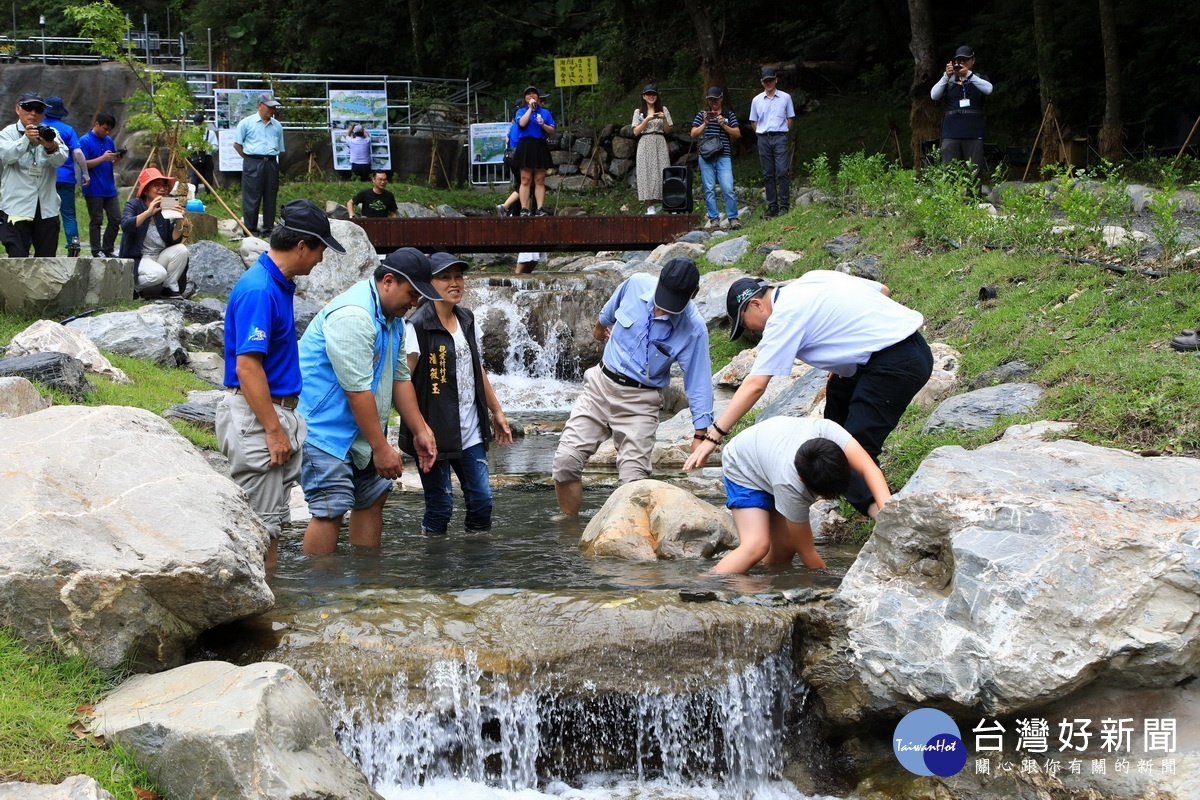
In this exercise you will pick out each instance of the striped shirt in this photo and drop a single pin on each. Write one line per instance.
(713, 127)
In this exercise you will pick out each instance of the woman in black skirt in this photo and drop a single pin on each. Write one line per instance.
(532, 159)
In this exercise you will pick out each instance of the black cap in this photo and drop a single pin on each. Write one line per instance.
(714, 93)
(412, 265)
(677, 282)
(768, 74)
(739, 294)
(55, 108)
(650, 88)
(441, 261)
(529, 89)
(31, 97)
(303, 216)
(966, 51)
(199, 118)
(268, 99)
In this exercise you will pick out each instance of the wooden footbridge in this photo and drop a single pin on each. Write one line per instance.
(527, 234)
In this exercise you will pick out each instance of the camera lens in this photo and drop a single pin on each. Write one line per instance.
(47, 133)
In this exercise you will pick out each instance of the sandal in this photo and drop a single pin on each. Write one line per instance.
(1187, 340)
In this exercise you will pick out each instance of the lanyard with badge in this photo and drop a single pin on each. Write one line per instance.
(35, 170)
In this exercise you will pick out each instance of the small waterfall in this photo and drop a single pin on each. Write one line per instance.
(469, 726)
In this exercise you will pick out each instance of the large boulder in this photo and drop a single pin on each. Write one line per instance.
(47, 336)
(1001, 580)
(944, 378)
(213, 268)
(153, 332)
(729, 251)
(19, 397)
(52, 370)
(978, 409)
(710, 299)
(665, 252)
(212, 729)
(51, 286)
(649, 519)
(337, 273)
(120, 541)
(76, 787)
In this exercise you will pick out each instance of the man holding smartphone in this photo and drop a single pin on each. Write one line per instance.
(962, 91)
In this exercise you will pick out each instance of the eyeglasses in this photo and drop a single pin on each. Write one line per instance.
(36, 108)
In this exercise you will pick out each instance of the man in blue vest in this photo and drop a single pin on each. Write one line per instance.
(258, 428)
(962, 91)
(355, 371)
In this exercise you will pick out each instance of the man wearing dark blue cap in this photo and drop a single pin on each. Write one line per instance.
(355, 371)
(258, 428)
(30, 155)
(647, 326)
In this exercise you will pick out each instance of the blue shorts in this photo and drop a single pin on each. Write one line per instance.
(334, 486)
(738, 496)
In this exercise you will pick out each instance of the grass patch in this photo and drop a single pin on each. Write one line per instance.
(41, 695)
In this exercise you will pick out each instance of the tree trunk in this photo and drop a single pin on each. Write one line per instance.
(418, 36)
(925, 116)
(1043, 42)
(712, 63)
(1111, 134)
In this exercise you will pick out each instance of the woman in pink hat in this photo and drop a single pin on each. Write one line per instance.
(154, 239)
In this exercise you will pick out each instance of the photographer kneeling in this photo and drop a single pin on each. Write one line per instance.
(30, 156)
(152, 235)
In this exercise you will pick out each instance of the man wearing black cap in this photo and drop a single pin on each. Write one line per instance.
(258, 428)
(30, 156)
(647, 325)
(962, 91)
(870, 344)
(355, 371)
(259, 141)
(771, 116)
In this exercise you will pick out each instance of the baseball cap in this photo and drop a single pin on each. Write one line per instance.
(714, 92)
(768, 74)
(303, 216)
(966, 51)
(31, 97)
(412, 265)
(677, 282)
(529, 89)
(650, 88)
(268, 99)
(739, 294)
(442, 261)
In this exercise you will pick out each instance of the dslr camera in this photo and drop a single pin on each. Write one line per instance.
(46, 133)
(121, 151)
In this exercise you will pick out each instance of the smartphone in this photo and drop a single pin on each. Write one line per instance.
(168, 202)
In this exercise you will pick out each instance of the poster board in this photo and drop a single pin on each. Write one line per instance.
(489, 140)
(580, 71)
(366, 107)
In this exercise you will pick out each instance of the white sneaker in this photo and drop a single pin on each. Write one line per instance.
(712, 223)
(651, 210)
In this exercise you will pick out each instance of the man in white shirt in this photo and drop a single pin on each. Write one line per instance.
(870, 344)
(771, 116)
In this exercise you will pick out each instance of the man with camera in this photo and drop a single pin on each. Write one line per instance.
(962, 91)
(30, 156)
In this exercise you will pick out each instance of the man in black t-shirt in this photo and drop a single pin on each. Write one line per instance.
(376, 201)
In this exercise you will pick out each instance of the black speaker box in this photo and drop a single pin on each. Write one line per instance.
(677, 190)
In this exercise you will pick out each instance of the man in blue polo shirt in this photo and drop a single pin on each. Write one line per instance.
(100, 194)
(648, 325)
(259, 141)
(258, 428)
(70, 173)
(355, 371)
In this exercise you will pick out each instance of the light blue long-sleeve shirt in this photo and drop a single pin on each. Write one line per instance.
(21, 187)
(643, 346)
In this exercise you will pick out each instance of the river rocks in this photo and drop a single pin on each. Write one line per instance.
(978, 409)
(212, 729)
(202, 416)
(1016, 575)
(729, 251)
(800, 397)
(944, 378)
(649, 519)
(121, 543)
(19, 397)
(51, 286)
(213, 268)
(77, 787)
(337, 273)
(152, 332)
(205, 337)
(665, 252)
(864, 266)
(1011, 372)
(780, 260)
(208, 367)
(45, 336)
(710, 299)
(251, 248)
(52, 370)
(843, 245)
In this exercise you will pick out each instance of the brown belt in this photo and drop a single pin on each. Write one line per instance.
(289, 403)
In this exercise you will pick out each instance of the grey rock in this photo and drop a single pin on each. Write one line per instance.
(195, 414)
(205, 337)
(976, 410)
(562, 158)
(583, 146)
(192, 312)
(678, 249)
(694, 237)
(213, 303)
(780, 260)
(45, 336)
(943, 380)
(76, 787)
(568, 169)
(1011, 372)
(213, 268)
(409, 211)
(710, 299)
(1036, 431)
(336, 273)
(56, 286)
(766, 249)
(212, 729)
(52, 370)
(19, 397)
(649, 519)
(152, 332)
(1139, 197)
(630, 256)
(208, 367)
(150, 546)
(800, 397)
(304, 311)
(1186, 201)
(210, 398)
(251, 248)
(865, 266)
(624, 148)
(728, 252)
(840, 246)
(444, 210)
(620, 167)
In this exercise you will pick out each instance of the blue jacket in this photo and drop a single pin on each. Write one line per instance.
(323, 402)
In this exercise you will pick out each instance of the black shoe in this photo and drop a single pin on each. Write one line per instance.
(525, 212)
(543, 212)
(73, 248)
(769, 213)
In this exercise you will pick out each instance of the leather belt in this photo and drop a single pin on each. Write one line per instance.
(289, 403)
(773, 133)
(258, 158)
(620, 379)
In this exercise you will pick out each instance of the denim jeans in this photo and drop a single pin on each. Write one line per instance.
(66, 197)
(472, 471)
(710, 173)
(773, 158)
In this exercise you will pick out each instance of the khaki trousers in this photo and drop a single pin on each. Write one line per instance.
(606, 408)
(243, 440)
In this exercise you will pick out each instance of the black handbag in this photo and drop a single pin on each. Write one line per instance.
(711, 146)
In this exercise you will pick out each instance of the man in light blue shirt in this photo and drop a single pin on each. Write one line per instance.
(259, 141)
(771, 115)
(647, 325)
(29, 164)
